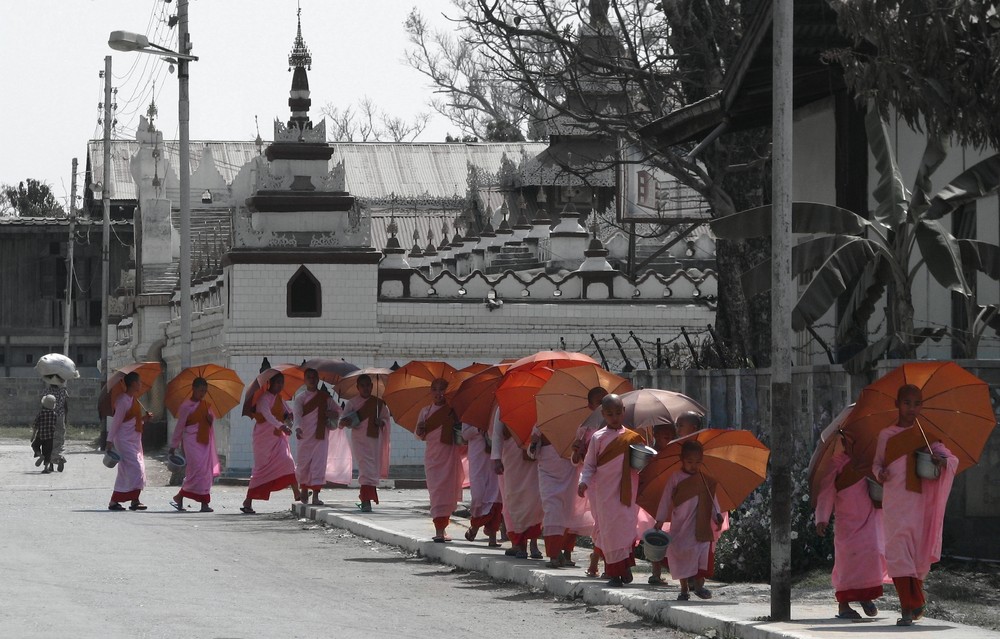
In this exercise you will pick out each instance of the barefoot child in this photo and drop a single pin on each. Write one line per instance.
(613, 484)
(663, 434)
(912, 507)
(690, 505)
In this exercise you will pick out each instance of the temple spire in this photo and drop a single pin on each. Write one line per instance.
(299, 60)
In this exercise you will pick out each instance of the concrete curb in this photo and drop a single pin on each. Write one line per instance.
(384, 484)
(727, 619)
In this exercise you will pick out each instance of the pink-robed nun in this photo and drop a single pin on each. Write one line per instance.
(566, 514)
(125, 438)
(912, 507)
(313, 409)
(444, 459)
(522, 504)
(194, 429)
(487, 507)
(370, 440)
(273, 466)
(689, 503)
(611, 484)
(859, 567)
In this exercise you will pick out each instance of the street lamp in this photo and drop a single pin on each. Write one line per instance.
(128, 41)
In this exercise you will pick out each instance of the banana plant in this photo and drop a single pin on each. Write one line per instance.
(863, 260)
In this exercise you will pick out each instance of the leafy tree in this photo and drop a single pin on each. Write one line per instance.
(932, 62)
(30, 198)
(869, 259)
(608, 69)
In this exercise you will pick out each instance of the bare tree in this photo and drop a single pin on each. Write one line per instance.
(368, 123)
(609, 68)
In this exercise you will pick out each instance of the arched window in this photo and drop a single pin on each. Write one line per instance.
(304, 295)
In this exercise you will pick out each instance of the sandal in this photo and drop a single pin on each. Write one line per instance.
(247, 510)
(683, 596)
(591, 573)
(918, 613)
(656, 581)
(904, 621)
(869, 607)
(179, 507)
(317, 502)
(115, 506)
(850, 613)
(705, 593)
(536, 554)
(437, 540)
(205, 508)
(470, 535)
(137, 507)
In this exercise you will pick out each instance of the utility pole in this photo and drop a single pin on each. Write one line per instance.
(106, 235)
(781, 315)
(184, 168)
(70, 243)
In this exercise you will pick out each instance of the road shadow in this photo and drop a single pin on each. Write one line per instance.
(382, 560)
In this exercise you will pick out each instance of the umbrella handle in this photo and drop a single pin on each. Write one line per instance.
(924, 435)
(705, 481)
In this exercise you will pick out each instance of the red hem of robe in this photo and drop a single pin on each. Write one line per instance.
(201, 499)
(264, 491)
(620, 568)
(369, 493)
(859, 594)
(910, 591)
(131, 495)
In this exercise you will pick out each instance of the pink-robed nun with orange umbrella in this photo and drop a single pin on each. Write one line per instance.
(195, 419)
(443, 458)
(125, 438)
(273, 465)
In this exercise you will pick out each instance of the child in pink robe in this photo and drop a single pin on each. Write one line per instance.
(370, 440)
(613, 484)
(125, 438)
(859, 567)
(486, 507)
(663, 434)
(443, 458)
(522, 505)
(690, 505)
(273, 465)
(565, 515)
(313, 410)
(195, 419)
(585, 431)
(912, 507)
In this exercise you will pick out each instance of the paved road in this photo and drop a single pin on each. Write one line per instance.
(71, 568)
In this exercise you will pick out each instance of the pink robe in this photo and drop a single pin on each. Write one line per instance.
(858, 540)
(272, 457)
(202, 465)
(370, 453)
(131, 477)
(443, 467)
(311, 454)
(563, 509)
(522, 505)
(616, 523)
(483, 482)
(686, 556)
(913, 521)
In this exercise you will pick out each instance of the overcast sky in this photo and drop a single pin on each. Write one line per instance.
(53, 51)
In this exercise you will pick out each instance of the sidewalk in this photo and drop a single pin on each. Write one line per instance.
(406, 524)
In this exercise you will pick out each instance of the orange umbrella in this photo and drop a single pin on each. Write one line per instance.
(733, 458)
(562, 402)
(475, 398)
(956, 411)
(408, 389)
(224, 388)
(461, 375)
(347, 387)
(516, 398)
(115, 386)
(330, 371)
(553, 360)
(294, 378)
(831, 441)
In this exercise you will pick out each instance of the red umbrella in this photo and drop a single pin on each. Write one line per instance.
(461, 375)
(516, 398)
(294, 378)
(475, 398)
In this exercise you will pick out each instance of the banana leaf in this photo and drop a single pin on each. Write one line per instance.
(890, 193)
(807, 255)
(865, 293)
(830, 281)
(981, 256)
(934, 155)
(807, 217)
(979, 180)
(941, 255)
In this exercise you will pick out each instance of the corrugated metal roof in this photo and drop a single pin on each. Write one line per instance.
(373, 169)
